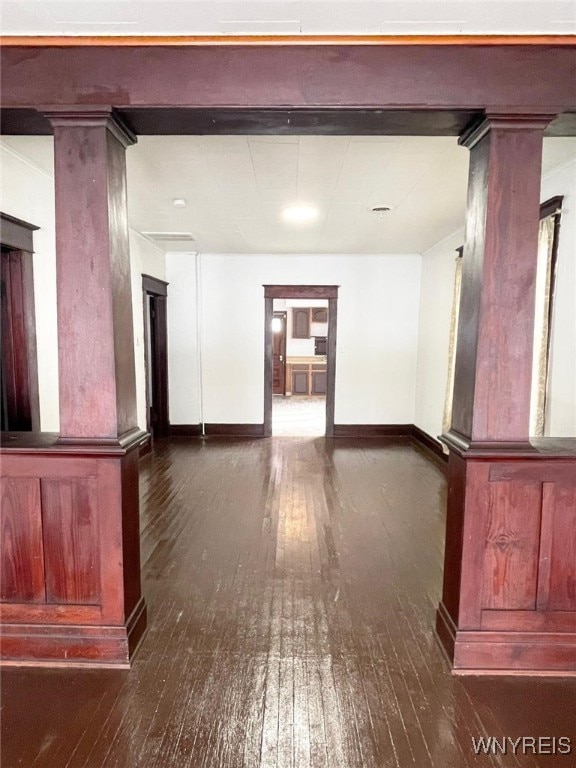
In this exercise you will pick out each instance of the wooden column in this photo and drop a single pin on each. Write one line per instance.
(96, 362)
(71, 589)
(509, 598)
(494, 350)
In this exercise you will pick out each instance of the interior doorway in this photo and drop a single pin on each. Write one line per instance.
(155, 294)
(300, 360)
(300, 331)
(19, 395)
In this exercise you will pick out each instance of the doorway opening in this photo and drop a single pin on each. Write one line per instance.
(19, 399)
(300, 364)
(300, 332)
(155, 294)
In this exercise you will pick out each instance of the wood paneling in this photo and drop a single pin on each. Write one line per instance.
(557, 587)
(71, 526)
(510, 563)
(71, 540)
(511, 546)
(22, 571)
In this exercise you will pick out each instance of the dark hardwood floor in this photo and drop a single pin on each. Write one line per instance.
(292, 585)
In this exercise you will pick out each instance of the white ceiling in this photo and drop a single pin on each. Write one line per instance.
(291, 17)
(236, 188)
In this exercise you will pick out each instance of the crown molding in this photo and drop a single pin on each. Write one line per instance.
(279, 40)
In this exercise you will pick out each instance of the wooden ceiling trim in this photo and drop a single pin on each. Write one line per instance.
(68, 41)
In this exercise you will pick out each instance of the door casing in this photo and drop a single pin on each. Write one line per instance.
(329, 292)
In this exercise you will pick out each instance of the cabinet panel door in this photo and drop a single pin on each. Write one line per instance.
(320, 315)
(301, 323)
(299, 382)
(319, 381)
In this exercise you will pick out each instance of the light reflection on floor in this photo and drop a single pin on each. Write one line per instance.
(298, 416)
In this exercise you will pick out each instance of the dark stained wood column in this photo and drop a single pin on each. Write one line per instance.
(509, 596)
(495, 335)
(72, 568)
(96, 362)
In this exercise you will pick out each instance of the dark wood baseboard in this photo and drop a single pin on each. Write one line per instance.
(185, 430)
(234, 430)
(373, 430)
(146, 447)
(425, 440)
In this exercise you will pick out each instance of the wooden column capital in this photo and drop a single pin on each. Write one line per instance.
(92, 118)
(504, 121)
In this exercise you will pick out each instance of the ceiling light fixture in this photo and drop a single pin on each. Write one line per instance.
(381, 210)
(179, 202)
(300, 213)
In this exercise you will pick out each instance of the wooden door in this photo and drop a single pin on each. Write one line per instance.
(279, 353)
(18, 371)
(156, 355)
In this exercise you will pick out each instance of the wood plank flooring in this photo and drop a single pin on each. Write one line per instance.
(291, 585)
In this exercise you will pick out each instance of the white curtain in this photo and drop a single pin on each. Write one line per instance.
(447, 421)
(541, 328)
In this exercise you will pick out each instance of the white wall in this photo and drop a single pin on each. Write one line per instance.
(27, 192)
(561, 411)
(438, 265)
(145, 259)
(377, 334)
(436, 293)
(183, 342)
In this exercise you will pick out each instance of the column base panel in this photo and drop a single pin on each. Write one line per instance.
(482, 652)
(70, 645)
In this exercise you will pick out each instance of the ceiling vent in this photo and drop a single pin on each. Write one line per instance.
(170, 237)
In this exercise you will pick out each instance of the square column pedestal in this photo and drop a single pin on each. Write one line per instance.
(509, 597)
(71, 552)
(70, 576)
